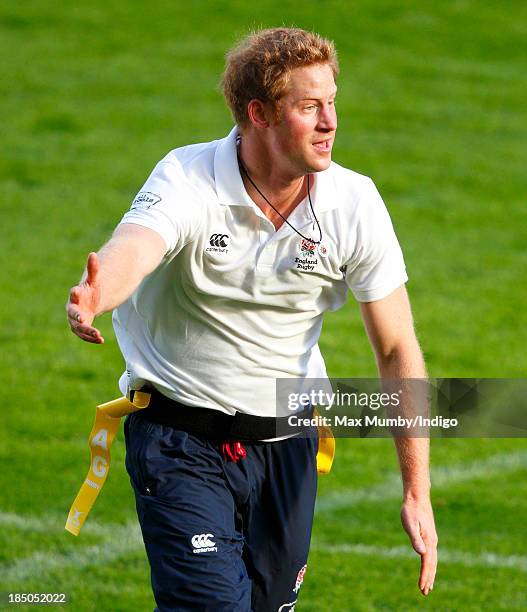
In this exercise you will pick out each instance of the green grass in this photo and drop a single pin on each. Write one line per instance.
(431, 105)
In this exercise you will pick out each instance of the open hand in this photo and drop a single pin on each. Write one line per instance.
(418, 522)
(83, 303)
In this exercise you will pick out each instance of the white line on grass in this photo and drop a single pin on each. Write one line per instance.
(483, 559)
(441, 477)
(49, 524)
(118, 542)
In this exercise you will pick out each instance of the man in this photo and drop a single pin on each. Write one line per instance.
(218, 277)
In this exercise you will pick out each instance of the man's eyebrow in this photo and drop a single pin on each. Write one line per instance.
(307, 97)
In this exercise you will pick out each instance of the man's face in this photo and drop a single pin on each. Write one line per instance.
(303, 135)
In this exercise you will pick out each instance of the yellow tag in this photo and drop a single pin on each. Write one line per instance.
(326, 448)
(107, 420)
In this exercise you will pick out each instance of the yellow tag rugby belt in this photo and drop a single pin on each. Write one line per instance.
(108, 417)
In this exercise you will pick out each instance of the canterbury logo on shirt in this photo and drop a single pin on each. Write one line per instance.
(203, 543)
(218, 243)
(219, 240)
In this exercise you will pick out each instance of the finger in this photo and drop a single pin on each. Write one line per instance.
(74, 314)
(81, 334)
(423, 574)
(416, 539)
(433, 570)
(90, 339)
(89, 331)
(428, 570)
(430, 539)
(92, 268)
(413, 529)
(86, 332)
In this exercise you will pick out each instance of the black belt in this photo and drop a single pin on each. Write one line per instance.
(215, 424)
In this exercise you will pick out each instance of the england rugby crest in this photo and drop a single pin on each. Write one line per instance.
(307, 247)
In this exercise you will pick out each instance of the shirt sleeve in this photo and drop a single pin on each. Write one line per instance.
(167, 204)
(376, 267)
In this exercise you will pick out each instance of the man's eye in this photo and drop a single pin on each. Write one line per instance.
(309, 107)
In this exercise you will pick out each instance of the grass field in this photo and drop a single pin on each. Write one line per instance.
(432, 106)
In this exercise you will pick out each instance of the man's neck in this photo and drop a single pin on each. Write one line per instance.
(277, 187)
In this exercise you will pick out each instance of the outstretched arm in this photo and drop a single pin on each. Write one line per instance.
(390, 329)
(111, 276)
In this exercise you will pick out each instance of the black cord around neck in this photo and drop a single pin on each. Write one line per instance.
(245, 171)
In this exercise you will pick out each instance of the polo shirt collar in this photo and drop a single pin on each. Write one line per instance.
(229, 183)
(231, 190)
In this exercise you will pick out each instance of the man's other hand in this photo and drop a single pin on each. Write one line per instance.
(418, 521)
(83, 303)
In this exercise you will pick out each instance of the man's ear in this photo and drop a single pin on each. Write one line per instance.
(259, 113)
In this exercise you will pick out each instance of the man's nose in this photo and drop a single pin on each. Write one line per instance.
(327, 120)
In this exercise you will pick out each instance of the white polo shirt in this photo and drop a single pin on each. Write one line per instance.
(234, 304)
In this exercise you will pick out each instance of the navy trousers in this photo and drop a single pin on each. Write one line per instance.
(222, 536)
